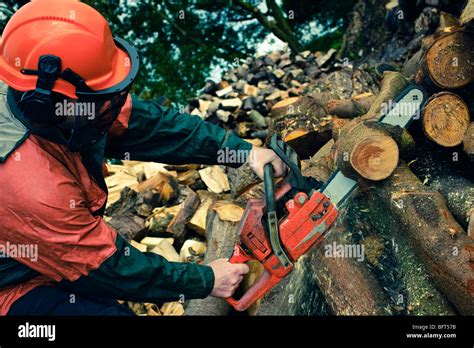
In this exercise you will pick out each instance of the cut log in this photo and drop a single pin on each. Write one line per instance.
(468, 141)
(366, 152)
(215, 179)
(423, 217)
(391, 86)
(449, 60)
(187, 210)
(198, 220)
(356, 106)
(284, 107)
(222, 237)
(445, 119)
(303, 123)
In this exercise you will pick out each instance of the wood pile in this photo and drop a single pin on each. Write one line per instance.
(412, 214)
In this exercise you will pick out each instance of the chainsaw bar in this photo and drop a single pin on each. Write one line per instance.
(400, 112)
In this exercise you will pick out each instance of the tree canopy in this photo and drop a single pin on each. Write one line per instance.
(182, 41)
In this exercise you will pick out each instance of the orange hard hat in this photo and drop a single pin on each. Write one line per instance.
(68, 29)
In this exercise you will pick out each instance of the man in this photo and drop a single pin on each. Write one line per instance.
(64, 105)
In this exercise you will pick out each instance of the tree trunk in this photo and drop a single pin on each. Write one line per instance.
(441, 243)
(222, 228)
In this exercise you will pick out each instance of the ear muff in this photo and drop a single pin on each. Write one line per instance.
(38, 105)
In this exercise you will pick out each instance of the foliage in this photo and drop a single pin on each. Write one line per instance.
(182, 41)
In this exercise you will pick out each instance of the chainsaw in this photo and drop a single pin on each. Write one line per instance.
(296, 213)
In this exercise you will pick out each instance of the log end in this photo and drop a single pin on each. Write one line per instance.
(375, 157)
(445, 119)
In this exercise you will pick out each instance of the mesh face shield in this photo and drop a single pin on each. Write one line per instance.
(85, 120)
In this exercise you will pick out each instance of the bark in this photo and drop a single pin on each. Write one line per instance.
(222, 237)
(441, 243)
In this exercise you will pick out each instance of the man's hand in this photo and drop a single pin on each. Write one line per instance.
(227, 277)
(260, 156)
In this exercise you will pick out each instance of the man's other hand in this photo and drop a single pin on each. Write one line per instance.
(227, 277)
(259, 156)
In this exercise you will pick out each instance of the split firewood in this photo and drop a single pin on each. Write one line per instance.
(172, 308)
(356, 106)
(152, 310)
(188, 177)
(424, 219)
(468, 12)
(139, 246)
(177, 225)
(222, 237)
(445, 119)
(192, 251)
(242, 179)
(117, 182)
(163, 247)
(160, 219)
(448, 61)
(123, 215)
(468, 141)
(182, 167)
(215, 179)
(163, 183)
(198, 220)
(366, 152)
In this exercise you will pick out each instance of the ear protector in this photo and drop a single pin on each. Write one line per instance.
(38, 105)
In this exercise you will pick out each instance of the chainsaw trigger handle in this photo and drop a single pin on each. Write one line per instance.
(255, 292)
(239, 255)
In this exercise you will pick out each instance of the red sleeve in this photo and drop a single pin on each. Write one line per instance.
(46, 208)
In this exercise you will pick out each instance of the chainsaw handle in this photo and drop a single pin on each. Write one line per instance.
(255, 292)
(239, 255)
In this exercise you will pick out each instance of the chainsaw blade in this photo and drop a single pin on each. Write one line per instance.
(401, 112)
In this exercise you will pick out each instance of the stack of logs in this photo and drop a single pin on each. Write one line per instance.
(242, 101)
(413, 212)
